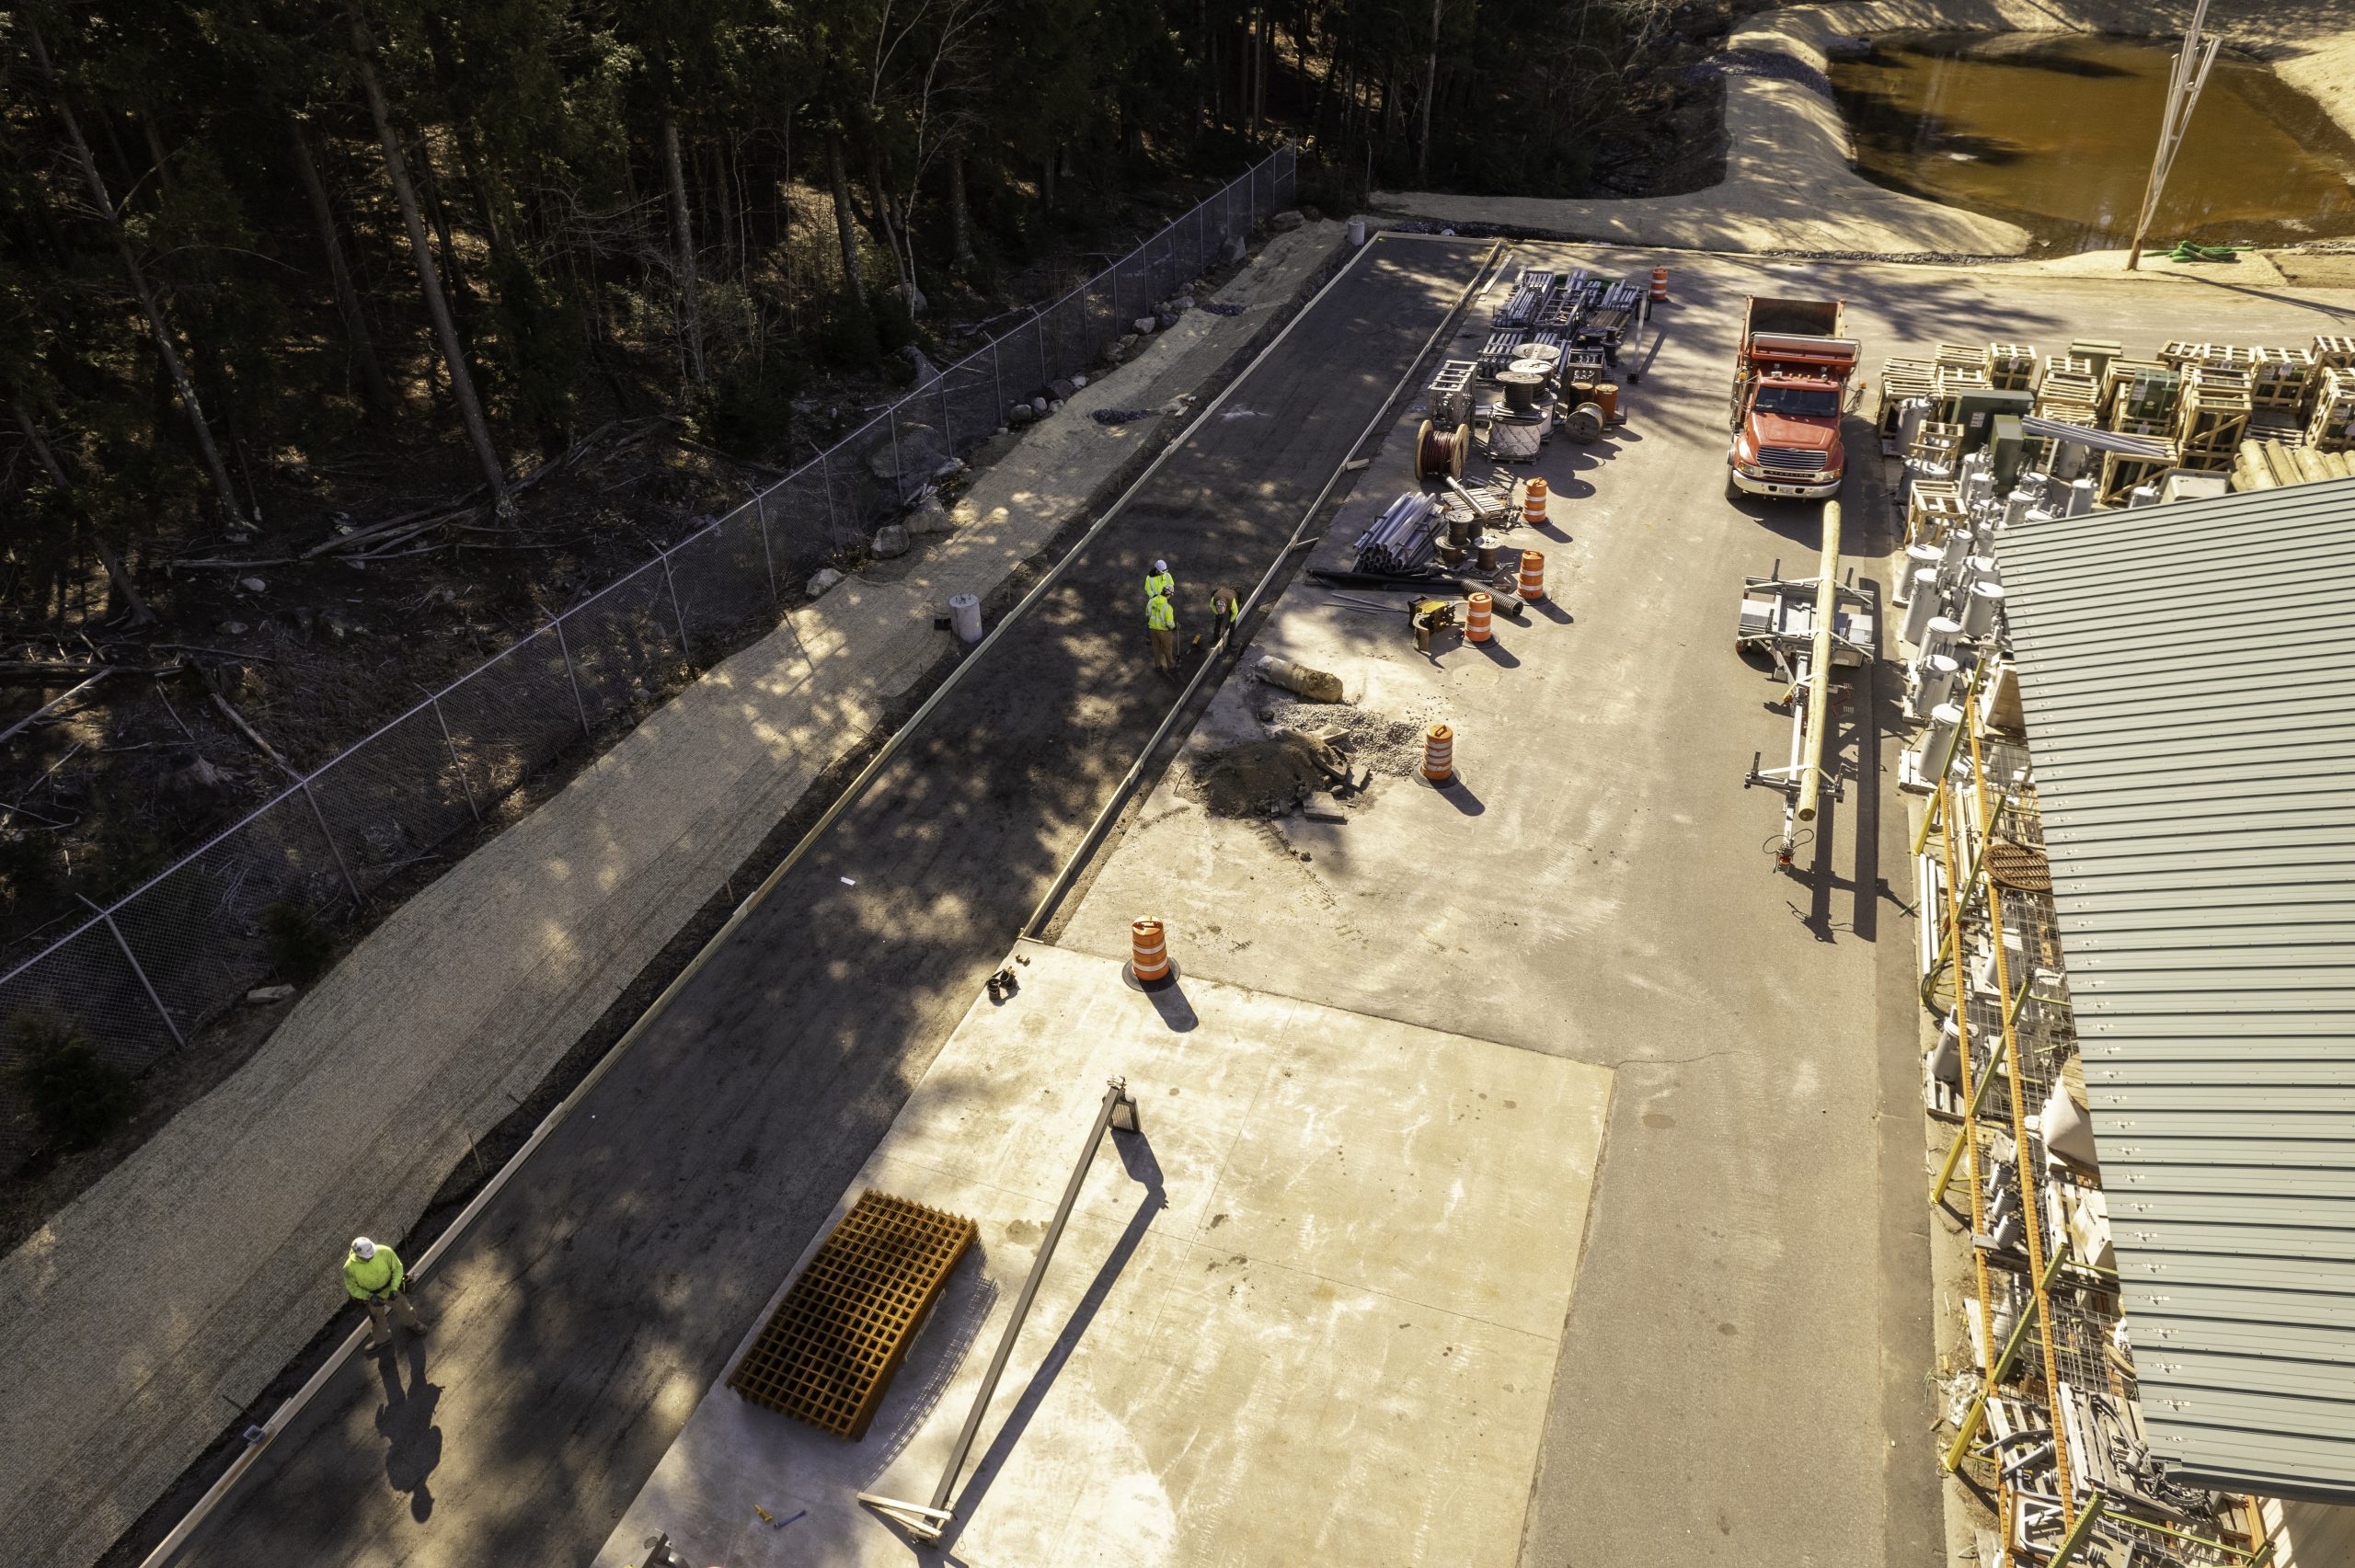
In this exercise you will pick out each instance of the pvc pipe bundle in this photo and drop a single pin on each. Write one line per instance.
(1402, 536)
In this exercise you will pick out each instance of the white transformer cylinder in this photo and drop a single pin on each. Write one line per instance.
(2143, 496)
(1934, 677)
(1921, 607)
(2081, 497)
(1934, 751)
(1917, 559)
(1981, 608)
(1941, 635)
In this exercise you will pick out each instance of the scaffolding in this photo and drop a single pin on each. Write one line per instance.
(2048, 1425)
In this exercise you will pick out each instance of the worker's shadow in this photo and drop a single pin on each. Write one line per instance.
(1137, 1156)
(413, 1443)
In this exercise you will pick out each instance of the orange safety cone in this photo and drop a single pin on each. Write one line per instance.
(1532, 575)
(1659, 285)
(1439, 754)
(1148, 952)
(1533, 504)
(1475, 617)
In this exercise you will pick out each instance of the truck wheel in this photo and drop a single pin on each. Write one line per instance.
(1733, 491)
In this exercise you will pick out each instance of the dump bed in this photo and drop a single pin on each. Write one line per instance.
(1807, 318)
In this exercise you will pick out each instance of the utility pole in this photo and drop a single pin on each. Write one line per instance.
(1431, 86)
(2184, 82)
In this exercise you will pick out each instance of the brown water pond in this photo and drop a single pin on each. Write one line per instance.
(2054, 131)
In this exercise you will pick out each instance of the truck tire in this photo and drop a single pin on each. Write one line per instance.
(1734, 492)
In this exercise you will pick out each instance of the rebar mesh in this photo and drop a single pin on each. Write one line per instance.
(195, 937)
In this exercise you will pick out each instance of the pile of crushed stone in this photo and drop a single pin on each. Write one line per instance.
(1122, 416)
(1268, 778)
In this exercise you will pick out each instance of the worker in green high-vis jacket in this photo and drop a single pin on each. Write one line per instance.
(374, 1275)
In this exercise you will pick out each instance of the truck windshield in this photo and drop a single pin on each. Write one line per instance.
(1802, 402)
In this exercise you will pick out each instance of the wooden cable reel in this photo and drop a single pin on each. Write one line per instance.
(1440, 454)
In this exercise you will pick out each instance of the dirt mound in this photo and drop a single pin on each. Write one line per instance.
(1267, 778)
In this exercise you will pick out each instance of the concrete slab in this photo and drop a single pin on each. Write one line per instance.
(1308, 1316)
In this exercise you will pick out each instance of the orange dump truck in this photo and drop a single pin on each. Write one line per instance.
(1790, 385)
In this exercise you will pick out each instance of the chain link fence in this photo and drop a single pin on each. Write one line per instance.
(139, 976)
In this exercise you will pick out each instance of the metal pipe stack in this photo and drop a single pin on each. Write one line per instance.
(1402, 537)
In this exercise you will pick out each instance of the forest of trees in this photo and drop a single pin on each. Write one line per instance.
(239, 236)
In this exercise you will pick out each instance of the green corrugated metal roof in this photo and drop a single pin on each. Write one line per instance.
(2188, 673)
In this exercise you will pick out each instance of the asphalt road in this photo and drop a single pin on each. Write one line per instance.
(598, 1294)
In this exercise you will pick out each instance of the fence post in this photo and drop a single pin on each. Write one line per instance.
(145, 983)
(826, 477)
(328, 834)
(578, 707)
(769, 557)
(948, 431)
(1045, 375)
(675, 613)
(997, 380)
(455, 760)
(899, 479)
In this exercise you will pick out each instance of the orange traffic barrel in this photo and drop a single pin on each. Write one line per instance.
(1438, 754)
(1532, 575)
(1659, 285)
(1148, 952)
(1533, 505)
(1475, 617)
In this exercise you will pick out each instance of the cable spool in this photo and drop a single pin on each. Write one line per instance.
(1459, 528)
(1440, 453)
(1585, 423)
(1549, 355)
(1521, 388)
(1542, 369)
(1486, 555)
(1515, 439)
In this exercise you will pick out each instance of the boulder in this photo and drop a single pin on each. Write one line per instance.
(1166, 319)
(1056, 407)
(1144, 324)
(252, 585)
(234, 628)
(926, 372)
(263, 995)
(1232, 253)
(1285, 222)
(1077, 382)
(917, 452)
(1020, 413)
(1180, 305)
(1060, 390)
(930, 517)
(1039, 405)
(827, 577)
(891, 540)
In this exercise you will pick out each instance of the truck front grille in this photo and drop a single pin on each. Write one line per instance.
(1790, 460)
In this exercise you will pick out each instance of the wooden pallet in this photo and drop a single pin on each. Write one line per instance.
(2280, 376)
(2097, 351)
(1932, 508)
(2011, 367)
(2068, 395)
(828, 1353)
(2120, 476)
(1901, 382)
(1938, 442)
(2140, 389)
(2334, 350)
(2331, 426)
(2212, 419)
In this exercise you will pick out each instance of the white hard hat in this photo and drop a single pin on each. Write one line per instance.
(1161, 565)
(363, 1248)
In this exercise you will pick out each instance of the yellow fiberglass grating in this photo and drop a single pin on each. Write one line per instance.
(829, 1349)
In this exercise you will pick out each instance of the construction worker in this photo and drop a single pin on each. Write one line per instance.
(1224, 608)
(374, 1275)
(1161, 620)
(1159, 582)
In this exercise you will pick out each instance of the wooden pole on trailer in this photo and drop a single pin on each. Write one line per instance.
(1819, 675)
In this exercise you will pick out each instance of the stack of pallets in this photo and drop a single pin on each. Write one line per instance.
(2212, 419)
(2331, 426)
(2281, 377)
(2072, 395)
(1937, 445)
(2096, 353)
(2328, 350)
(1901, 382)
(1932, 508)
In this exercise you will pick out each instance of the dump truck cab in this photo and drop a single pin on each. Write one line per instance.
(1790, 388)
